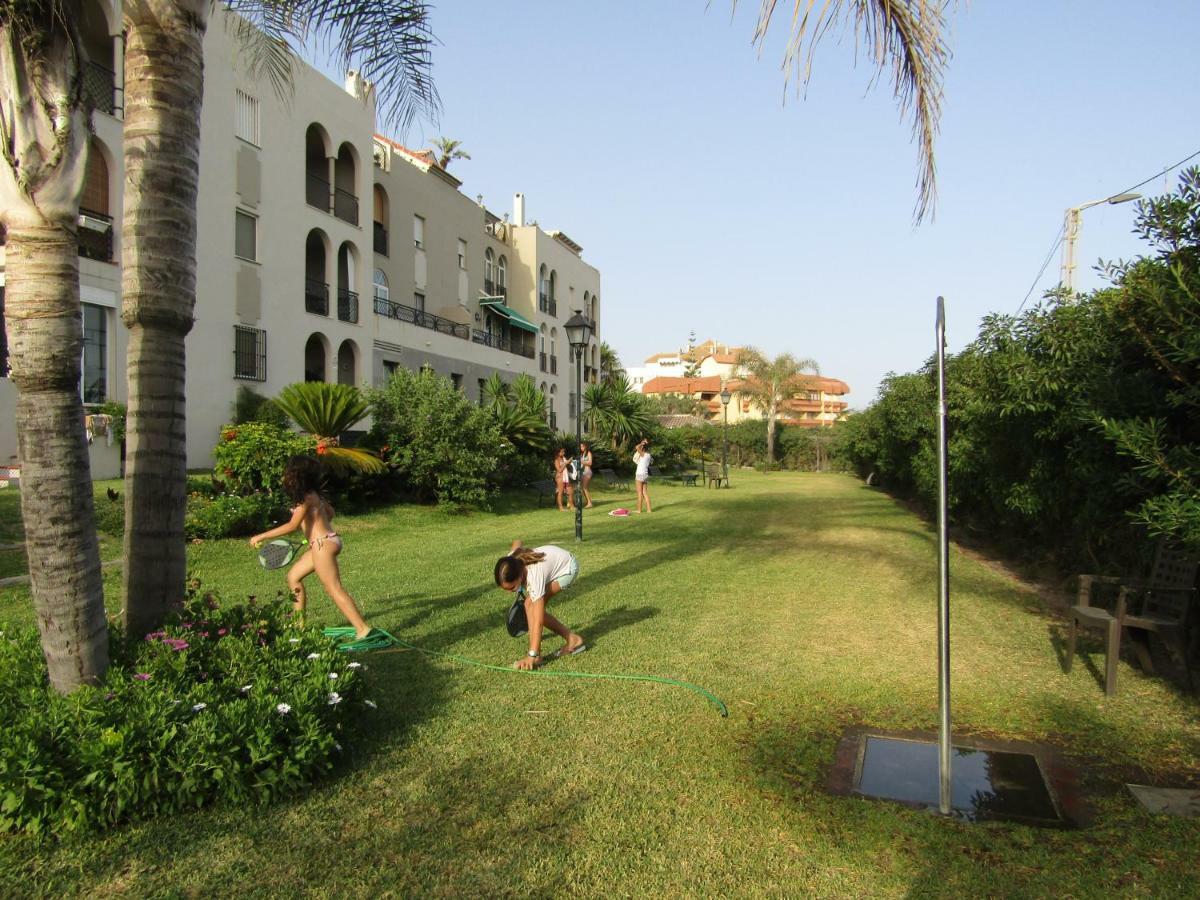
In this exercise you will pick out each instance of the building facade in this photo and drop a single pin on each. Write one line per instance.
(325, 252)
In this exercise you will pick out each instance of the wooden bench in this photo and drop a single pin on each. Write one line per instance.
(714, 473)
(613, 480)
(544, 488)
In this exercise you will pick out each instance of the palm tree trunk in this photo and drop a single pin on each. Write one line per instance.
(771, 435)
(45, 339)
(164, 82)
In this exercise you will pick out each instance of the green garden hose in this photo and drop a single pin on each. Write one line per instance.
(368, 644)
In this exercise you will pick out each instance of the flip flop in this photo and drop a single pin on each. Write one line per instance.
(561, 651)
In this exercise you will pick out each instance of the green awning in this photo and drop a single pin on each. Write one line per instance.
(498, 307)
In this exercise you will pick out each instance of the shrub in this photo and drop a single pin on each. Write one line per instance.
(229, 514)
(251, 406)
(438, 443)
(228, 704)
(250, 458)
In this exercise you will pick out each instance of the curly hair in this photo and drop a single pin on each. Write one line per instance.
(511, 568)
(303, 475)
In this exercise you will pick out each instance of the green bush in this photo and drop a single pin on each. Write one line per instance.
(250, 458)
(226, 515)
(228, 704)
(251, 406)
(441, 446)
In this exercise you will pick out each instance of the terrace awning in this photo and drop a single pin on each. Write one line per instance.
(497, 306)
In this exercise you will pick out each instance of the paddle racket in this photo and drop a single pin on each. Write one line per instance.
(515, 620)
(278, 553)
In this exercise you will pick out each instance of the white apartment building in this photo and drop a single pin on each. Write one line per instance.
(324, 252)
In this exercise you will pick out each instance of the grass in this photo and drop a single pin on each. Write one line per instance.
(807, 602)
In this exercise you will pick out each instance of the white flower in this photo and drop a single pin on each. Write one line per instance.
(283, 709)
(335, 698)
(246, 688)
(199, 706)
(333, 675)
(354, 665)
(314, 656)
(370, 704)
(337, 746)
(293, 640)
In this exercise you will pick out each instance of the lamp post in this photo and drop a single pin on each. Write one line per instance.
(579, 331)
(725, 396)
(1071, 227)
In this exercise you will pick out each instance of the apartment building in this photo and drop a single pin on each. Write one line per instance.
(325, 252)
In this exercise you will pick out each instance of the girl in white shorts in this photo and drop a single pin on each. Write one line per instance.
(539, 574)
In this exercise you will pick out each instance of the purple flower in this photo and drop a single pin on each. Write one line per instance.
(221, 632)
(142, 676)
(156, 635)
(176, 644)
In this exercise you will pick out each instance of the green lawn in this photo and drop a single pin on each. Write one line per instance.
(807, 602)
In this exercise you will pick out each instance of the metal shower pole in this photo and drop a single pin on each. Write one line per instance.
(943, 575)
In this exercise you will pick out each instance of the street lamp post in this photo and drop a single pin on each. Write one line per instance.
(725, 397)
(1071, 226)
(579, 330)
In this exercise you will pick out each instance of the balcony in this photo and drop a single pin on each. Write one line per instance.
(381, 239)
(489, 288)
(502, 343)
(543, 302)
(412, 316)
(553, 307)
(316, 191)
(347, 306)
(316, 297)
(542, 361)
(554, 365)
(553, 421)
(95, 235)
(345, 206)
(100, 87)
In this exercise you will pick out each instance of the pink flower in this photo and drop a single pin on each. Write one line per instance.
(176, 644)
(142, 676)
(221, 632)
(156, 635)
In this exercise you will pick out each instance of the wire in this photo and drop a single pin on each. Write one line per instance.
(1058, 241)
(348, 632)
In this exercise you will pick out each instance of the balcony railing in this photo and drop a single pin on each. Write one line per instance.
(347, 306)
(542, 361)
(543, 302)
(95, 242)
(554, 365)
(100, 87)
(401, 313)
(316, 296)
(316, 191)
(553, 421)
(488, 339)
(489, 288)
(553, 307)
(381, 239)
(345, 206)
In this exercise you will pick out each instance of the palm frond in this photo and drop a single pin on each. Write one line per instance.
(345, 460)
(905, 35)
(324, 410)
(387, 41)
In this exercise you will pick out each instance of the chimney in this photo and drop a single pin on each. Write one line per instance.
(518, 210)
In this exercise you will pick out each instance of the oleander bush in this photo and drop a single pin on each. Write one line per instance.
(229, 703)
(230, 515)
(250, 458)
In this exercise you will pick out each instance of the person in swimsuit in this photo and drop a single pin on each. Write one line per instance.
(562, 484)
(302, 480)
(643, 460)
(538, 574)
(585, 461)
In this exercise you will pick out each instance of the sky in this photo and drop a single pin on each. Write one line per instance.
(715, 201)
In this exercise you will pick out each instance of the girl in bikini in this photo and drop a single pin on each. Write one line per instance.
(302, 483)
(539, 574)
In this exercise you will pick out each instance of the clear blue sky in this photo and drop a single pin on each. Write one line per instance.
(655, 136)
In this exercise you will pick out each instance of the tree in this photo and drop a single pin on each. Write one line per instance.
(610, 364)
(903, 35)
(164, 86)
(519, 412)
(44, 136)
(770, 383)
(616, 412)
(447, 151)
(326, 411)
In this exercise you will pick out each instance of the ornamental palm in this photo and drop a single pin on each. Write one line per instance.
(326, 411)
(389, 42)
(770, 383)
(44, 135)
(903, 35)
(519, 411)
(610, 363)
(447, 151)
(616, 412)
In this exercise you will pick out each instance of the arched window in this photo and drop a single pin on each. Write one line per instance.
(317, 153)
(502, 276)
(347, 370)
(381, 285)
(543, 290)
(316, 278)
(489, 272)
(314, 358)
(345, 200)
(380, 217)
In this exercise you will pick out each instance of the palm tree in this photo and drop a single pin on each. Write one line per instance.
(164, 86)
(326, 411)
(770, 383)
(519, 411)
(610, 363)
(447, 151)
(44, 135)
(616, 412)
(903, 35)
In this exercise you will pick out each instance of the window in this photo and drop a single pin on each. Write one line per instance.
(389, 368)
(502, 276)
(456, 380)
(481, 383)
(95, 353)
(489, 271)
(381, 285)
(462, 255)
(419, 302)
(245, 239)
(418, 232)
(249, 353)
(246, 118)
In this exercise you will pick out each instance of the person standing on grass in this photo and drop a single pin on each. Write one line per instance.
(585, 464)
(302, 480)
(538, 575)
(643, 460)
(561, 483)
